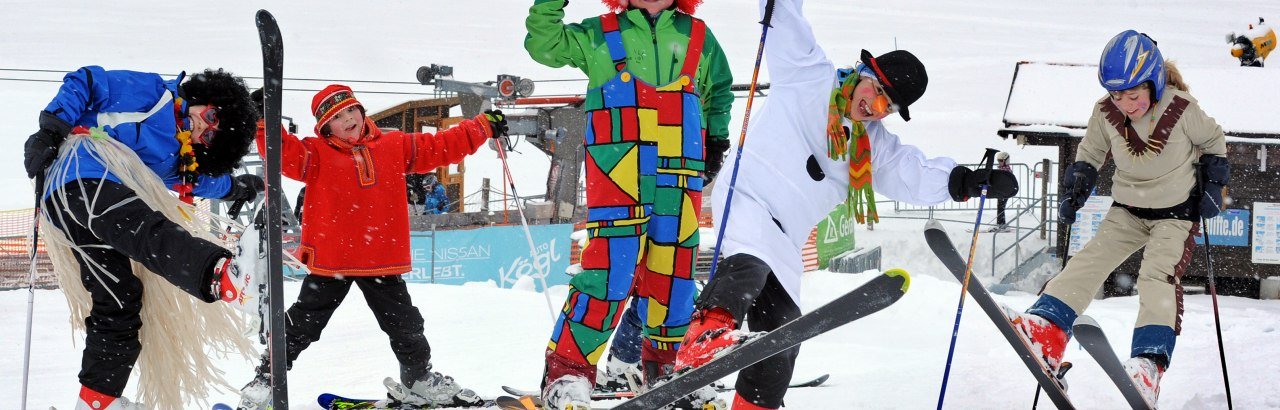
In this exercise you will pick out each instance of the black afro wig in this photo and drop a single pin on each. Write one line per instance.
(237, 119)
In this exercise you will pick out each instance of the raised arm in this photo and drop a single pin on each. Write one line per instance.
(425, 151)
(550, 41)
(903, 172)
(791, 51)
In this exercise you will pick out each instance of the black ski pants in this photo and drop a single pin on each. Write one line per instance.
(120, 228)
(746, 287)
(388, 298)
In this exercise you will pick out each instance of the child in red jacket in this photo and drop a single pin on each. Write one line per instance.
(355, 230)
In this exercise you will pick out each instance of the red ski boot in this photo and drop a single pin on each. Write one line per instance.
(711, 331)
(1044, 337)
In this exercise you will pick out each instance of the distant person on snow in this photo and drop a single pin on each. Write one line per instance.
(657, 104)
(815, 143)
(355, 230)
(435, 201)
(1002, 225)
(118, 141)
(1160, 140)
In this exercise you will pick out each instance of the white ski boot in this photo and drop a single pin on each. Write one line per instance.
(569, 392)
(618, 376)
(256, 395)
(432, 390)
(1146, 376)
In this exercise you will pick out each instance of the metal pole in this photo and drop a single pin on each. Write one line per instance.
(31, 289)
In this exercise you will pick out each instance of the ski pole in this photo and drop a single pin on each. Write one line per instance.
(1213, 293)
(31, 289)
(988, 160)
(742, 139)
(524, 222)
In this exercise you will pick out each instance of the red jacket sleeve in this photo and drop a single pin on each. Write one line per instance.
(426, 152)
(296, 159)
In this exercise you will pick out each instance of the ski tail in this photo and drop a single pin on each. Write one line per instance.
(946, 252)
(1090, 336)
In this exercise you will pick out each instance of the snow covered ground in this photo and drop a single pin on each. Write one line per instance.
(487, 337)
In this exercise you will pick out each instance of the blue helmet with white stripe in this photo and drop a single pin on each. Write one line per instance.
(1130, 59)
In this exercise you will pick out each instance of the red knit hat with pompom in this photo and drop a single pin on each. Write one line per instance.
(685, 6)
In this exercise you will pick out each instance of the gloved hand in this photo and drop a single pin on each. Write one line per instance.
(42, 147)
(497, 121)
(1079, 182)
(965, 183)
(1215, 174)
(245, 188)
(716, 147)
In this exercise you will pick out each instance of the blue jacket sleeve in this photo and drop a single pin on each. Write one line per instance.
(82, 90)
(208, 186)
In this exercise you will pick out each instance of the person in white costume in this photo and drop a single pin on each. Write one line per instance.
(814, 143)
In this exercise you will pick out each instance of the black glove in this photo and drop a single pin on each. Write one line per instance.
(498, 121)
(1079, 182)
(966, 183)
(1215, 173)
(716, 147)
(245, 188)
(42, 147)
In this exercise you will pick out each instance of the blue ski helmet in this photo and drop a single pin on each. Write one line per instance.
(1130, 59)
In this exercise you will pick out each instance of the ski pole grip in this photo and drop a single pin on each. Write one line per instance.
(768, 14)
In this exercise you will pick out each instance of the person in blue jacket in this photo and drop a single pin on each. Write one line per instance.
(191, 134)
(436, 201)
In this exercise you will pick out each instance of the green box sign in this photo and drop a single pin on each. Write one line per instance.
(835, 234)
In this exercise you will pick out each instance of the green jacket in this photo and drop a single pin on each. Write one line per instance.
(553, 43)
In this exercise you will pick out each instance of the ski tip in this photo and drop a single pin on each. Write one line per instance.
(899, 273)
(933, 224)
(1083, 320)
(221, 406)
(263, 14)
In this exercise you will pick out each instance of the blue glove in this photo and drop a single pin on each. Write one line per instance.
(1215, 174)
(1080, 180)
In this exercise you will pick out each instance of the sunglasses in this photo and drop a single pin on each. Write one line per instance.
(210, 116)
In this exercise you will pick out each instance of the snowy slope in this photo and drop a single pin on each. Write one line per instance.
(489, 337)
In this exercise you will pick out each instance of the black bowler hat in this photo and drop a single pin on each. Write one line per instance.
(902, 76)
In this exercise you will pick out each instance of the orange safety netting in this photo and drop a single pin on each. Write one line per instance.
(15, 252)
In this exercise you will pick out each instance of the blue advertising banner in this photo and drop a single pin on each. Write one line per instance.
(1230, 228)
(497, 253)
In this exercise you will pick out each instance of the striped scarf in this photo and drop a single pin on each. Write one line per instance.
(861, 197)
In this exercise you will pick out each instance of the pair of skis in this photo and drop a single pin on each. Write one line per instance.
(626, 394)
(1086, 330)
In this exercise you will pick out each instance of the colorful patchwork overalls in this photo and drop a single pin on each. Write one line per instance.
(644, 147)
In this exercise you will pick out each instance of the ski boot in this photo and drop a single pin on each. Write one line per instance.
(92, 400)
(257, 394)
(711, 334)
(431, 389)
(569, 392)
(619, 376)
(1146, 375)
(1045, 338)
(228, 281)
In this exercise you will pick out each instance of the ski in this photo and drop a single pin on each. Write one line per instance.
(941, 245)
(871, 297)
(1094, 341)
(622, 394)
(524, 402)
(336, 402)
(273, 84)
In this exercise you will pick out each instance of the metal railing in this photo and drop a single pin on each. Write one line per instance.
(1034, 210)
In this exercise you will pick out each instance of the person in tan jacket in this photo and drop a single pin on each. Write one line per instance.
(1159, 138)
